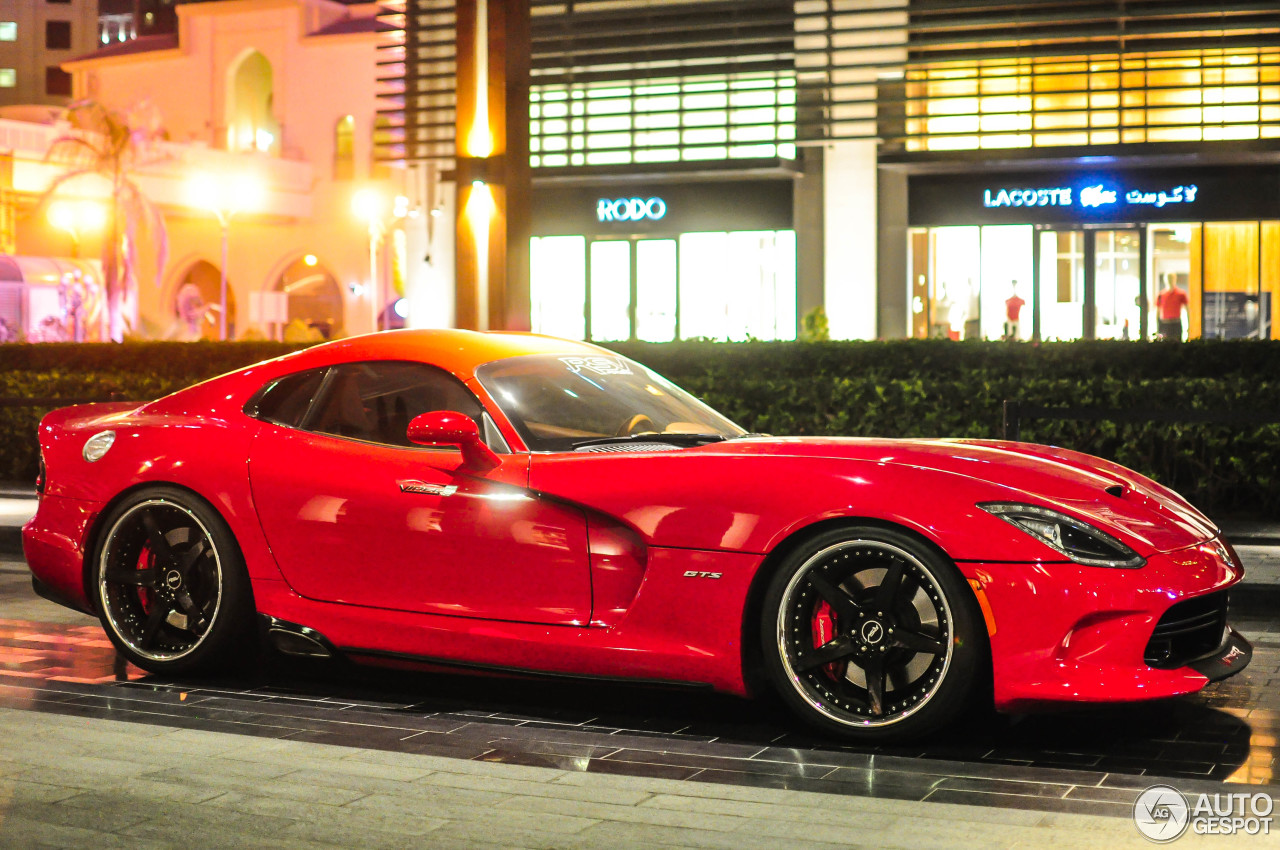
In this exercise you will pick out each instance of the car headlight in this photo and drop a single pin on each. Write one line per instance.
(1078, 540)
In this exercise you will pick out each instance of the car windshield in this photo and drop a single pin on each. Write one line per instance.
(559, 403)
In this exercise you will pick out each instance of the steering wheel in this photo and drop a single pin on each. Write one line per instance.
(637, 424)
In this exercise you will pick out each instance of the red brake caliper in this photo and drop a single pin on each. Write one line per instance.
(144, 593)
(824, 631)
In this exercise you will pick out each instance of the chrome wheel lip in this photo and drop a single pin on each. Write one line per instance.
(110, 616)
(782, 637)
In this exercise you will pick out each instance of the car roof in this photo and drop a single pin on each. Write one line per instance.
(459, 351)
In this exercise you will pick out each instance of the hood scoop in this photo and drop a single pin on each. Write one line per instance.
(1116, 490)
(629, 447)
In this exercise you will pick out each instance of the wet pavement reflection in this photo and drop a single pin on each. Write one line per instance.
(1090, 760)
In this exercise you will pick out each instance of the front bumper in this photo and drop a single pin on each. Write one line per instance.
(1071, 633)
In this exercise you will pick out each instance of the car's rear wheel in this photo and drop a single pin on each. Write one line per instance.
(871, 635)
(170, 584)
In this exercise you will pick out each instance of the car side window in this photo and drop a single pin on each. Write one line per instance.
(286, 400)
(376, 401)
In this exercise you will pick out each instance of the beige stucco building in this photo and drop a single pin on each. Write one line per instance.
(267, 111)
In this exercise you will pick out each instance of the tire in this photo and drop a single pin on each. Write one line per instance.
(871, 636)
(170, 584)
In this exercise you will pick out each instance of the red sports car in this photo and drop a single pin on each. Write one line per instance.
(522, 503)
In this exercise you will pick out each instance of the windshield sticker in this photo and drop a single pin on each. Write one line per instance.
(599, 364)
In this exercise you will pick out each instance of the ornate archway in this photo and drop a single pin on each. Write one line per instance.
(195, 303)
(315, 297)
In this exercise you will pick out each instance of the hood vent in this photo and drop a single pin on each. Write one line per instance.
(1116, 490)
(630, 447)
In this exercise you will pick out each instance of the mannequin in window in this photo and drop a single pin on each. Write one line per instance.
(1170, 303)
(1013, 311)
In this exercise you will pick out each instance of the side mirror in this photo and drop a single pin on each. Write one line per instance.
(449, 428)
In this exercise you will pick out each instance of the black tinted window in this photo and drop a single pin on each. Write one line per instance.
(286, 400)
(376, 401)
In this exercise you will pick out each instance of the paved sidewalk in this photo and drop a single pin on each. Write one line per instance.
(77, 783)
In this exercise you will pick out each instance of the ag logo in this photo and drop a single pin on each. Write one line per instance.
(872, 632)
(1161, 813)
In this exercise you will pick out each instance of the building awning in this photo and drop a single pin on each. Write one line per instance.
(46, 271)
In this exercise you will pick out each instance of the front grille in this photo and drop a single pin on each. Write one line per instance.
(1188, 631)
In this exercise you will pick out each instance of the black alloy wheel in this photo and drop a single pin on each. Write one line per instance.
(169, 583)
(871, 635)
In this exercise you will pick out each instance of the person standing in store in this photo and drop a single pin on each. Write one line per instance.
(1170, 303)
(1012, 311)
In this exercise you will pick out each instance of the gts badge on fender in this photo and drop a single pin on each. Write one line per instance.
(700, 574)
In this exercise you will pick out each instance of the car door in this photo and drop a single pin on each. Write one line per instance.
(356, 514)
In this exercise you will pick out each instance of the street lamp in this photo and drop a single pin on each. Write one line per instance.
(370, 206)
(224, 199)
(76, 217)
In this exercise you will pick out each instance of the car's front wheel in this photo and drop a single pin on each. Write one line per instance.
(871, 635)
(170, 584)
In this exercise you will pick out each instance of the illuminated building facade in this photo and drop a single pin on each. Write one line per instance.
(720, 169)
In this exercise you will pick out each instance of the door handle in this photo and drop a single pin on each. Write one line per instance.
(414, 486)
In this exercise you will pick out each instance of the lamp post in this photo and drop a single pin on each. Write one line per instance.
(225, 199)
(370, 206)
(76, 217)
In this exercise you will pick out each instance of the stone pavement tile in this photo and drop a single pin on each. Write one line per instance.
(206, 824)
(30, 791)
(625, 814)
(109, 818)
(145, 789)
(348, 832)
(322, 775)
(861, 828)
(614, 834)
(19, 831)
(587, 793)
(456, 807)
(483, 768)
(803, 806)
(210, 775)
(1043, 804)
(77, 769)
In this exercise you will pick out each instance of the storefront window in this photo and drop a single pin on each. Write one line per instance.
(557, 286)
(1169, 247)
(1006, 281)
(1231, 307)
(1061, 284)
(738, 285)
(734, 285)
(656, 290)
(1117, 282)
(611, 290)
(957, 271)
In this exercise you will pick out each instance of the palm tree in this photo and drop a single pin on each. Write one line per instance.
(109, 145)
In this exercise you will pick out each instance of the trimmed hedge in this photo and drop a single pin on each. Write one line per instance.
(908, 388)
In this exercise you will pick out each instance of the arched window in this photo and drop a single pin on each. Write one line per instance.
(344, 148)
(251, 124)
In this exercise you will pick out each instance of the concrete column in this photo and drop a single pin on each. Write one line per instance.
(849, 227)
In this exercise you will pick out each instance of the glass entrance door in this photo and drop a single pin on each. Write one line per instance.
(1089, 284)
(633, 289)
(1117, 283)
